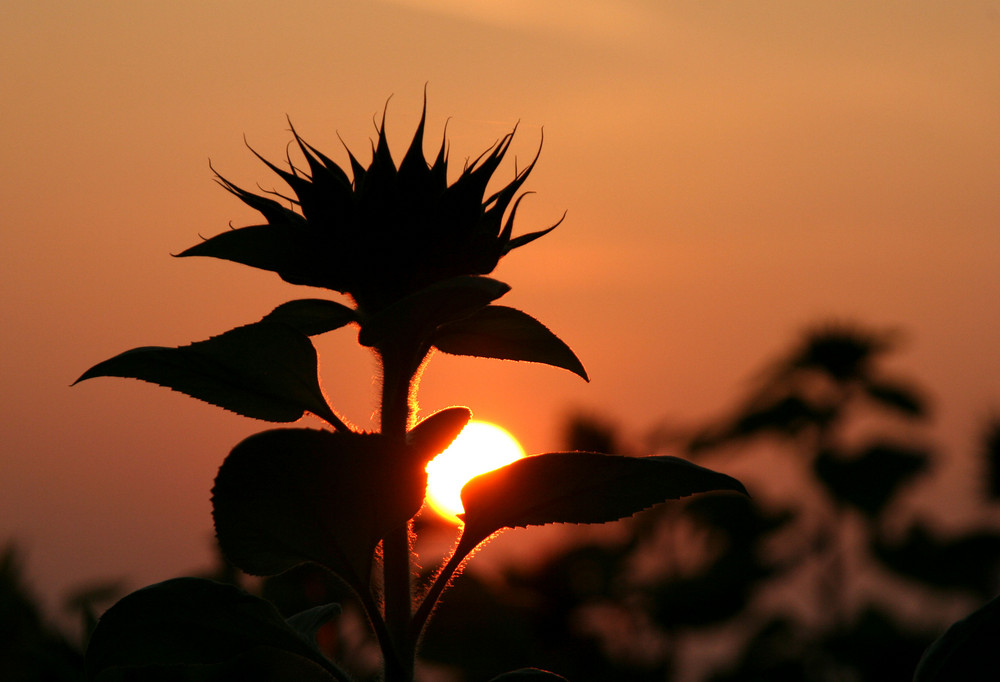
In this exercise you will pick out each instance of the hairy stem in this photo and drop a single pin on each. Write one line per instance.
(398, 370)
(398, 596)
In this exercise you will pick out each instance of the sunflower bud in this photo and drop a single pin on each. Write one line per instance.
(383, 233)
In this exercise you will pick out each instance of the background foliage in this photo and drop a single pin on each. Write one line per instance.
(782, 580)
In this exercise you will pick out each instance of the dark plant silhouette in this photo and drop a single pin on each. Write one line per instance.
(31, 650)
(411, 252)
(851, 424)
(813, 399)
(781, 577)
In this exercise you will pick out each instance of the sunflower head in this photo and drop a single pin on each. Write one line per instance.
(378, 233)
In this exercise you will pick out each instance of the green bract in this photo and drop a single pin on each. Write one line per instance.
(384, 233)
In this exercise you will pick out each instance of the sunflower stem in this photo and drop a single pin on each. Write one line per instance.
(398, 372)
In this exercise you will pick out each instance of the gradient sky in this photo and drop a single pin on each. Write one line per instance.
(732, 171)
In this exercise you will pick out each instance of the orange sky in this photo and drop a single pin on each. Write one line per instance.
(731, 170)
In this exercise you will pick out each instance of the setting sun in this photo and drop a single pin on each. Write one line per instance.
(479, 448)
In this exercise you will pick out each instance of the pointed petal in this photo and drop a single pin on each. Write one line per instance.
(530, 237)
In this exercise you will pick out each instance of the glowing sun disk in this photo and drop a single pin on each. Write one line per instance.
(479, 448)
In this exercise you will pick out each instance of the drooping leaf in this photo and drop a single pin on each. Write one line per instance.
(421, 312)
(578, 487)
(507, 334)
(967, 651)
(190, 629)
(265, 371)
(288, 496)
(312, 316)
(434, 434)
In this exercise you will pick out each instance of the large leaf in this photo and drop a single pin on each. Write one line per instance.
(507, 334)
(967, 651)
(313, 316)
(578, 487)
(419, 313)
(266, 371)
(288, 496)
(189, 629)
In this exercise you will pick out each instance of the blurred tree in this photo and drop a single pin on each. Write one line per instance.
(812, 398)
(852, 424)
(628, 610)
(30, 649)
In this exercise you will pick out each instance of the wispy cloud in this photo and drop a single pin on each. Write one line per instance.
(590, 19)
